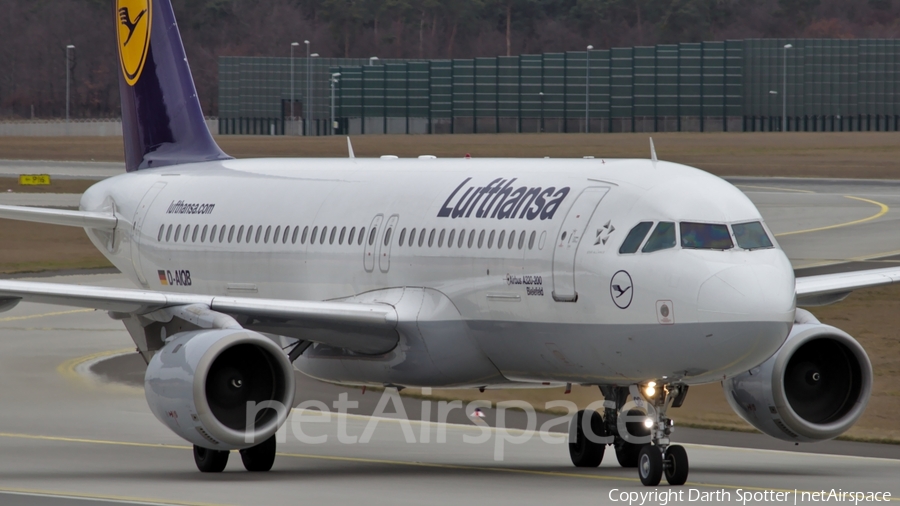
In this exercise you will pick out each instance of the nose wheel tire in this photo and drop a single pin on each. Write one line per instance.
(650, 465)
(210, 461)
(676, 465)
(259, 458)
(628, 453)
(585, 452)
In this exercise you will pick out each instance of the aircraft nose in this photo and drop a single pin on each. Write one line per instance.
(756, 292)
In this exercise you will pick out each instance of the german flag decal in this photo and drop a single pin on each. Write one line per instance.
(133, 19)
(162, 278)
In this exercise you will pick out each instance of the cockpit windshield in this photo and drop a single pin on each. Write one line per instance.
(663, 237)
(751, 235)
(634, 238)
(705, 236)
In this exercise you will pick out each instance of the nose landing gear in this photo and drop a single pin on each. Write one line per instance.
(636, 424)
(660, 457)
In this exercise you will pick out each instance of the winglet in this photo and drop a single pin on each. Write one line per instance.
(350, 147)
(653, 153)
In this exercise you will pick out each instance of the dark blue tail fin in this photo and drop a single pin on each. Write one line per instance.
(162, 121)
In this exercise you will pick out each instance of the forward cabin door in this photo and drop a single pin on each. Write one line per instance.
(567, 242)
(140, 216)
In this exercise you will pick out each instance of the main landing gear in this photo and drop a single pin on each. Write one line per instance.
(257, 458)
(640, 437)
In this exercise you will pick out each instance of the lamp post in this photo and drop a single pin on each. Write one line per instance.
(587, 88)
(334, 78)
(784, 92)
(310, 91)
(68, 94)
(542, 112)
(772, 92)
(293, 119)
(306, 109)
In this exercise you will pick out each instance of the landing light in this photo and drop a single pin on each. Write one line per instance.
(650, 389)
(648, 423)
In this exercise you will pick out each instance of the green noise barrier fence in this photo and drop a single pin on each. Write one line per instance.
(740, 85)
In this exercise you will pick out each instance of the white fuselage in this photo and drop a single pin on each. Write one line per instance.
(555, 301)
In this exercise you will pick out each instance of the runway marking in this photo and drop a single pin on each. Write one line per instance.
(67, 368)
(882, 211)
(456, 467)
(773, 188)
(42, 315)
(97, 498)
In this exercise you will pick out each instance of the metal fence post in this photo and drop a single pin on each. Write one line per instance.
(407, 97)
(497, 94)
(474, 95)
(452, 96)
(702, 54)
(362, 100)
(519, 121)
(384, 79)
(565, 92)
(610, 86)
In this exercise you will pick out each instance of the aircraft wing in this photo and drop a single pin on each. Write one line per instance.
(360, 326)
(827, 289)
(87, 219)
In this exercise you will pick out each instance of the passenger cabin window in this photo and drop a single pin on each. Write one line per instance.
(387, 236)
(663, 237)
(635, 237)
(362, 235)
(705, 236)
(402, 237)
(343, 233)
(352, 235)
(412, 237)
(268, 233)
(372, 233)
(162, 229)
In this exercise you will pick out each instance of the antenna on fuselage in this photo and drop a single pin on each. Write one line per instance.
(652, 152)
(350, 147)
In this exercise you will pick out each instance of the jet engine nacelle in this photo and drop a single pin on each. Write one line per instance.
(814, 388)
(222, 389)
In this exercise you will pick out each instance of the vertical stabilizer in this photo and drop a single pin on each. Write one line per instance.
(162, 122)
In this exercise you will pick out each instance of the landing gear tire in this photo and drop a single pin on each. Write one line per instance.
(650, 465)
(585, 452)
(259, 458)
(676, 465)
(210, 461)
(627, 454)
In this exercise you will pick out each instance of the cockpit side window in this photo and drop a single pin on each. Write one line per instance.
(751, 235)
(705, 236)
(663, 237)
(634, 238)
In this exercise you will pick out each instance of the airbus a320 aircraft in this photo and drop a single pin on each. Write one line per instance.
(638, 276)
